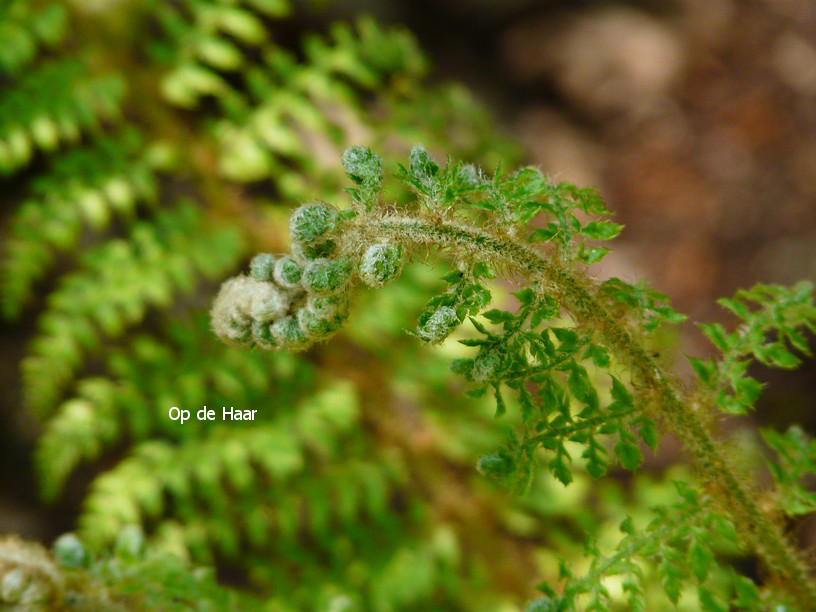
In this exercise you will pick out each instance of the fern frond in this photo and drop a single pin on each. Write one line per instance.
(287, 120)
(181, 368)
(204, 38)
(545, 370)
(235, 457)
(80, 430)
(84, 187)
(117, 282)
(317, 109)
(678, 542)
(794, 464)
(52, 104)
(25, 29)
(772, 321)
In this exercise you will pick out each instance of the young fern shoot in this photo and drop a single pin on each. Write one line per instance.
(545, 356)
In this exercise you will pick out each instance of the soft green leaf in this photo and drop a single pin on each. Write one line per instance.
(601, 230)
(628, 454)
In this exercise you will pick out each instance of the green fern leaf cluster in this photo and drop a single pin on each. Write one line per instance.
(26, 29)
(54, 104)
(549, 363)
(794, 464)
(287, 119)
(344, 490)
(773, 324)
(241, 492)
(84, 187)
(677, 546)
(114, 286)
(304, 467)
(50, 105)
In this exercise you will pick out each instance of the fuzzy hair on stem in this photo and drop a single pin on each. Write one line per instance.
(373, 242)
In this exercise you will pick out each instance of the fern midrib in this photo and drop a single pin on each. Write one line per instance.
(757, 528)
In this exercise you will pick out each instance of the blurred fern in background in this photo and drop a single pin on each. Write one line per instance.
(139, 173)
(311, 503)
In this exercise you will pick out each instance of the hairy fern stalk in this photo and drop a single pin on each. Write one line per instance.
(548, 353)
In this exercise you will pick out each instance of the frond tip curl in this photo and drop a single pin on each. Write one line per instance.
(532, 355)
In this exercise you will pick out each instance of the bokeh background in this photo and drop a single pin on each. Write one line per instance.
(696, 120)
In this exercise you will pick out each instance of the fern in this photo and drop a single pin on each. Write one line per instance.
(118, 281)
(86, 186)
(353, 490)
(295, 459)
(269, 473)
(772, 321)
(676, 545)
(795, 453)
(205, 37)
(50, 105)
(131, 578)
(25, 29)
(287, 120)
(531, 352)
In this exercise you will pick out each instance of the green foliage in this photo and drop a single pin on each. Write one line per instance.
(84, 187)
(278, 99)
(677, 546)
(772, 321)
(304, 467)
(286, 120)
(651, 306)
(552, 368)
(54, 103)
(51, 105)
(24, 29)
(795, 464)
(114, 286)
(245, 494)
(527, 354)
(364, 168)
(345, 490)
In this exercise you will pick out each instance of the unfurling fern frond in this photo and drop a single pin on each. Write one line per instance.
(28, 576)
(31, 578)
(545, 354)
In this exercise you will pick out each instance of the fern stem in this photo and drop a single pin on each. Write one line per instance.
(597, 573)
(566, 432)
(755, 526)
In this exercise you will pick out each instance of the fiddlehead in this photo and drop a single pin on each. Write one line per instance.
(480, 223)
